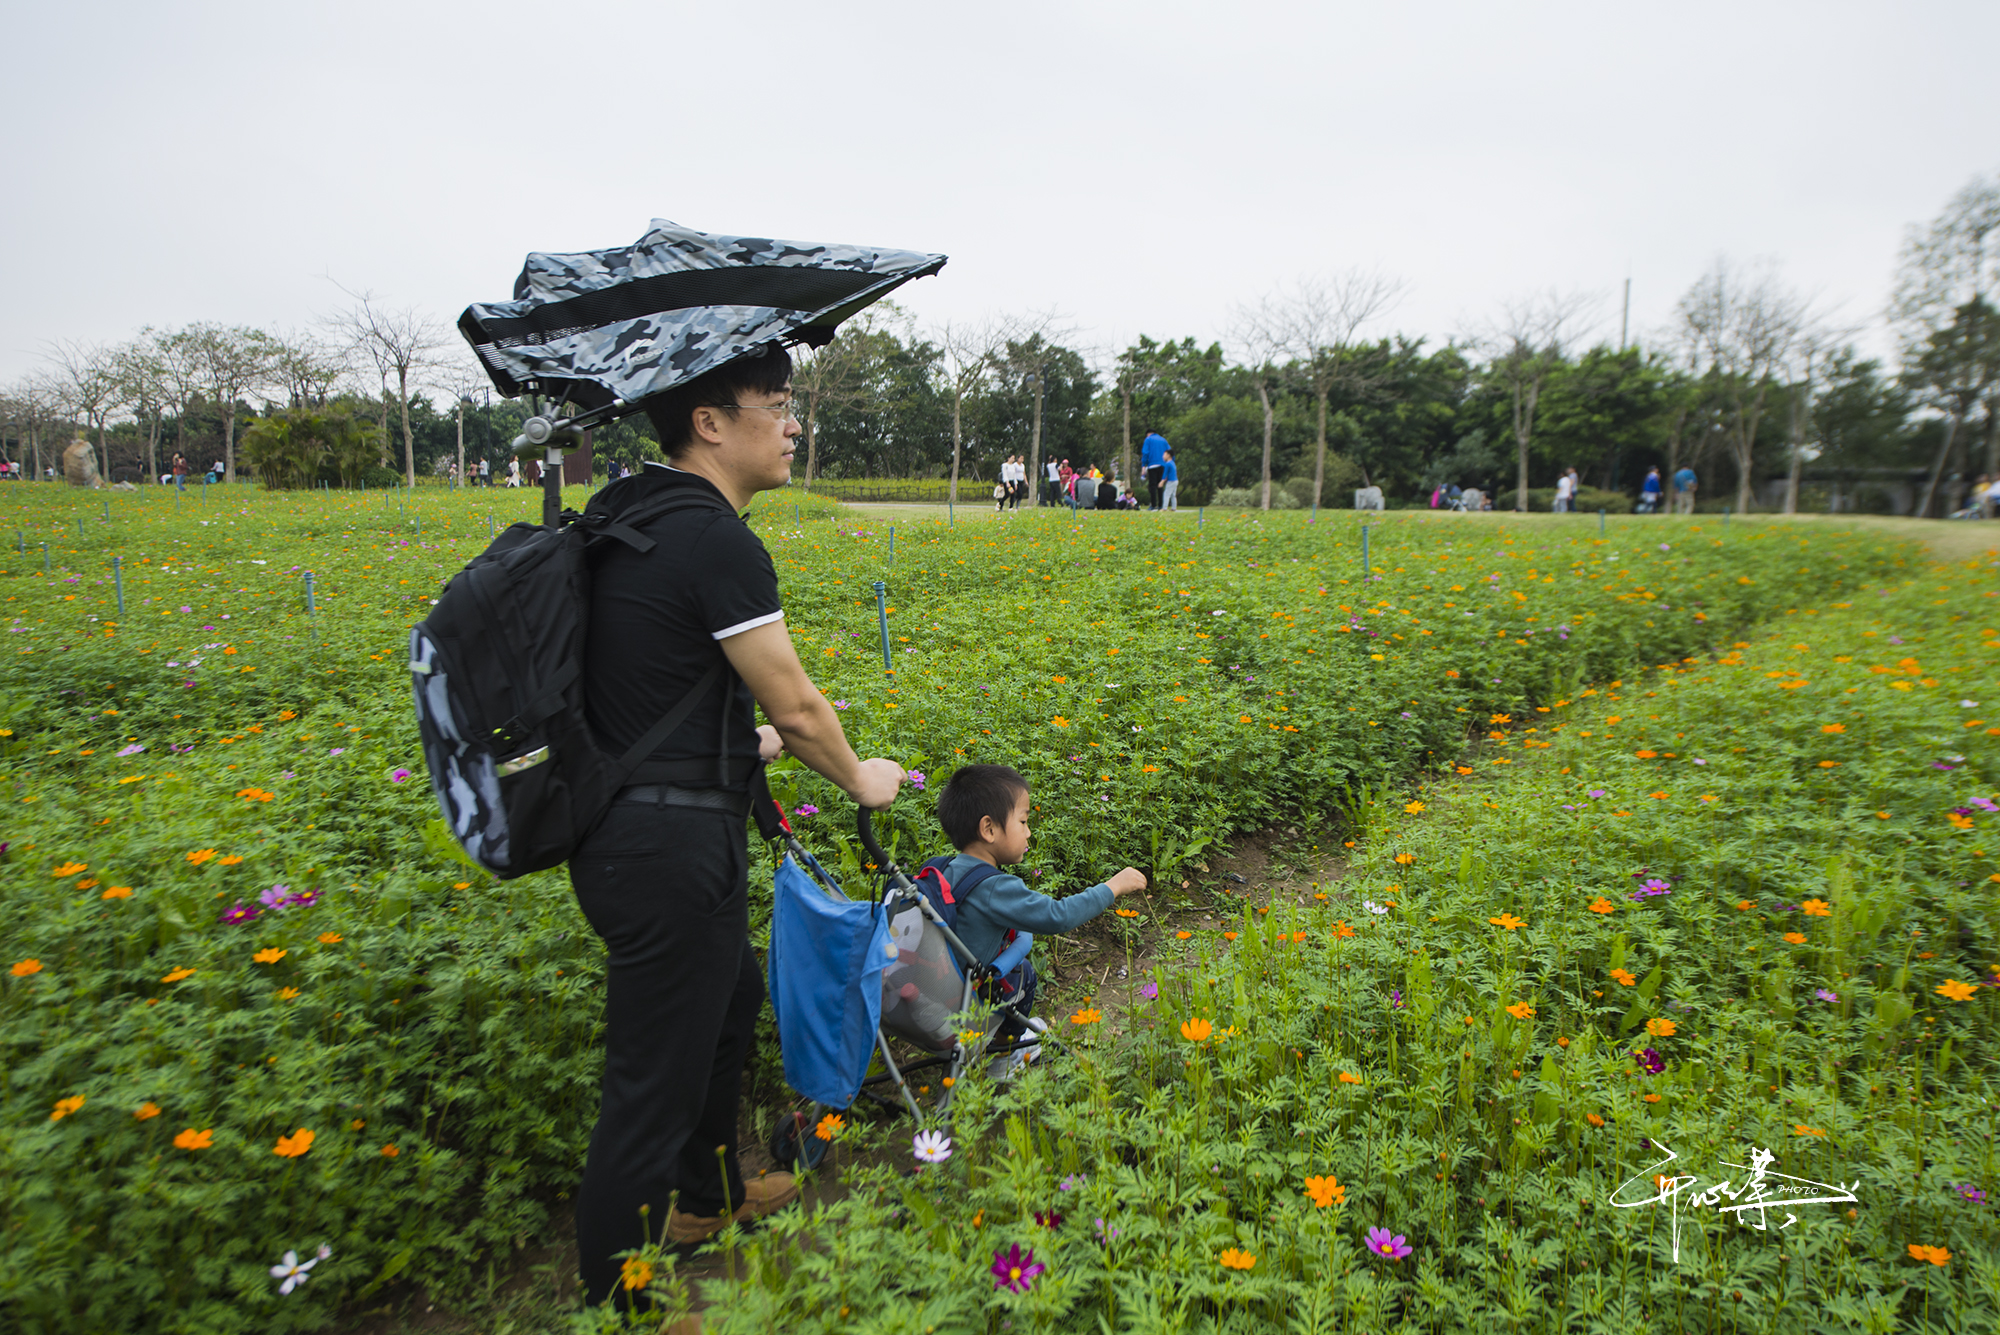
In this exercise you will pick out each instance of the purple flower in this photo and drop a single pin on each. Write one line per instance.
(1979, 802)
(840, 704)
(132, 750)
(276, 897)
(241, 913)
(1149, 990)
(187, 609)
(1972, 1193)
(1395, 999)
(1651, 1062)
(1895, 639)
(1072, 1182)
(1048, 1218)
(1826, 994)
(304, 899)
(399, 776)
(338, 750)
(1105, 1234)
(1382, 1244)
(1015, 1269)
(916, 778)
(807, 810)
(1597, 792)
(288, 775)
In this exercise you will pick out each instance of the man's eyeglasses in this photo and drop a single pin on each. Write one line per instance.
(787, 409)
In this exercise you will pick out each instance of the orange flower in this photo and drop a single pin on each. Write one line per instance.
(1602, 905)
(192, 1139)
(201, 855)
(1520, 1010)
(1624, 977)
(1508, 921)
(1089, 1016)
(1647, 755)
(1348, 1078)
(1325, 1191)
(1342, 930)
(64, 1107)
(461, 885)
(255, 794)
(146, 1111)
(1660, 796)
(1801, 1129)
(287, 993)
(1742, 904)
(1229, 936)
(1196, 1030)
(1796, 938)
(331, 938)
(117, 892)
(390, 1151)
(1833, 727)
(1652, 1098)
(1126, 913)
(270, 956)
(294, 1145)
(1817, 908)
(1563, 1042)
(22, 968)
(1298, 936)
(1954, 990)
(1059, 721)
(70, 869)
(1660, 1028)
(1464, 769)
(1405, 859)
(830, 1126)
(177, 975)
(1233, 1259)
(1183, 935)
(287, 715)
(230, 860)
(1593, 1119)
(1452, 673)
(1935, 1255)
(88, 883)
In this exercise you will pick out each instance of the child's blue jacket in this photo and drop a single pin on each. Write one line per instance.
(1003, 902)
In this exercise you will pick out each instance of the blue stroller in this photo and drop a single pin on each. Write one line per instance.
(847, 976)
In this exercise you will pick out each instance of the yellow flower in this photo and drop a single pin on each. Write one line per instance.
(1956, 991)
(635, 1274)
(146, 1111)
(1508, 921)
(1817, 908)
(64, 1107)
(1325, 1191)
(177, 975)
(1413, 807)
(22, 968)
(1660, 1028)
(829, 1126)
(192, 1139)
(1520, 1010)
(1196, 1030)
(287, 993)
(294, 1145)
(1089, 1016)
(270, 956)
(1232, 1259)
(1059, 721)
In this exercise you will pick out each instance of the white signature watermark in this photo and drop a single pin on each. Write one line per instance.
(1759, 1193)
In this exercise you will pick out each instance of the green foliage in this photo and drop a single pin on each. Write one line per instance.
(1211, 678)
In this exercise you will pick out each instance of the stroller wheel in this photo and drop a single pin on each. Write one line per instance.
(794, 1145)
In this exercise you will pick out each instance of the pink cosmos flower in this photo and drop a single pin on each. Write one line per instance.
(1382, 1244)
(399, 776)
(1015, 1269)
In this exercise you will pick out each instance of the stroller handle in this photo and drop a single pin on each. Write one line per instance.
(864, 827)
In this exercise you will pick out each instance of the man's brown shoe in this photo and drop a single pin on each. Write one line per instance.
(762, 1195)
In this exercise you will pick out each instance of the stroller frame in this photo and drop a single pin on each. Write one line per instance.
(790, 1142)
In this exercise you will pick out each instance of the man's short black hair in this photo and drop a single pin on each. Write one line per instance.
(766, 371)
(975, 791)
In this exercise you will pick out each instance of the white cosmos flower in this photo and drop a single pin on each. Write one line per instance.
(931, 1146)
(293, 1271)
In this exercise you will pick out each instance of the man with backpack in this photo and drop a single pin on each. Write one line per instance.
(663, 878)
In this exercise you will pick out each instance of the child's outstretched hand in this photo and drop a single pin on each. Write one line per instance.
(1128, 882)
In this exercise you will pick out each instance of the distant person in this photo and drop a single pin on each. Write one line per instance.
(1684, 484)
(1564, 484)
(1019, 491)
(513, 472)
(1153, 459)
(1649, 493)
(179, 468)
(1052, 484)
(485, 473)
(1170, 482)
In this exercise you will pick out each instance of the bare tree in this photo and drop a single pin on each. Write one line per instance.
(227, 362)
(1525, 346)
(1316, 325)
(86, 377)
(403, 344)
(1946, 266)
(1260, 330)
(142, 376)
(307, 367)
(1740, 331)
(970, 353)
(836, 374)
(1027, 345)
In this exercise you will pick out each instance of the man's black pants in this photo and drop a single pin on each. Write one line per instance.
(1155, 488)
(668, 890)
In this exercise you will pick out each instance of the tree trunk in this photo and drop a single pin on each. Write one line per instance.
(1923, 509)
(103, 453)
(229, 440)
(1524, 431)
(1035, 432)
(1126, 457)
(409, 441)
(812, 437)
(1264, 397)
(1319, 462)
(957, 409)
(153, 449)
(459, 481)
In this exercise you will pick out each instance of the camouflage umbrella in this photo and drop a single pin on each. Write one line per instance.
(606, 329)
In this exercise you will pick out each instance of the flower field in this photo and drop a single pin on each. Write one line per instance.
(1675, 837)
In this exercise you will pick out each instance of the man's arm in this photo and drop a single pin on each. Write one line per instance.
(766, 661)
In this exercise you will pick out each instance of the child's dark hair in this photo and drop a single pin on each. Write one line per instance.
(975, 791)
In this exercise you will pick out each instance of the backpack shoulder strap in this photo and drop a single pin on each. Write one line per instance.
(672, 719)
(625, 527)
(970, 880)
(935, 869)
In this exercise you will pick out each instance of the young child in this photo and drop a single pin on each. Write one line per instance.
(984, 811)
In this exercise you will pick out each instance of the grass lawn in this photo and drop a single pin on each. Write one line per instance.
(1491, 882)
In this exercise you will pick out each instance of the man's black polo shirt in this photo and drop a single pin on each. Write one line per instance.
(657, 620)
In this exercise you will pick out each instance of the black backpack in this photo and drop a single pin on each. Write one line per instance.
(497, 669)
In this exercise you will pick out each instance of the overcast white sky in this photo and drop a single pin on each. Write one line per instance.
(1141, 167)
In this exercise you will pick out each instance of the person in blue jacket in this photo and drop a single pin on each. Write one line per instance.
(984, 810)
(1153, 459)
(1172, 477)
